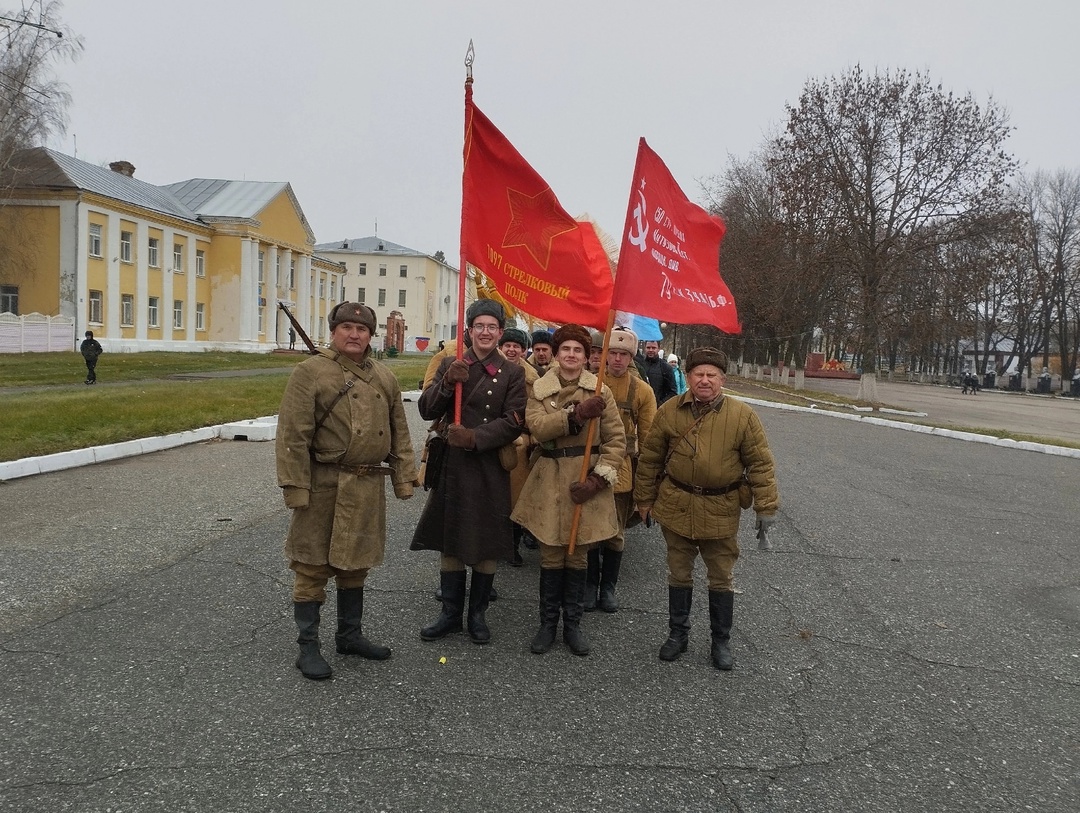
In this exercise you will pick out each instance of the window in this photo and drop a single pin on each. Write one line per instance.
(262, 264)
(333, 290)
(401, 299)
(178, 314)
(200, 264)
(382, 269)
(200, 317)
(127, 310)
(125, 246)
(262, 319)
(403, 271)
(362, 269)
(292, 275)
(94, 314)
(361, 295)
(382, 297)
(152, 313)
(322, 287)
(178, 258)
(152, 252)
(9, 299)
(95, 240)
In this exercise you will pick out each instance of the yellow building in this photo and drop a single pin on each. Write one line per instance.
(192, 265)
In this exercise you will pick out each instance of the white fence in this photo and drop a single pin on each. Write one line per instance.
(36, 333)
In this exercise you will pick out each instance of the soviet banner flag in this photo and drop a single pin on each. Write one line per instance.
(669, 258)
(514, 231)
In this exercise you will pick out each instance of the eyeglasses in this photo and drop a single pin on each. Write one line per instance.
(485, 328)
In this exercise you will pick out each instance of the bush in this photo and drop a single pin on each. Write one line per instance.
(391, 352)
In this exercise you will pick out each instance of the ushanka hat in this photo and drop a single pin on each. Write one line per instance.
(572, 333)
(706, 355)
(513, 334)
(352, 312)
(541, 337)
(485, 307)
(623, 338)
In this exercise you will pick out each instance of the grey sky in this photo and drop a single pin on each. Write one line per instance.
(360, 104)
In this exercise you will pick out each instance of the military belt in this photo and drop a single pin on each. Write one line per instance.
(359, 471)
(704, 492)
(567, 451)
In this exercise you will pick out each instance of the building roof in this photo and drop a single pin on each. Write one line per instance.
(212, 197)
(369, 245)
(40, 167)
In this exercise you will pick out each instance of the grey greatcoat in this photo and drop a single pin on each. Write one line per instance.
(345, 523)
(545, 507)
(467, 514)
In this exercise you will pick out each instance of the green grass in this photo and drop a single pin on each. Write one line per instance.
(51, 410)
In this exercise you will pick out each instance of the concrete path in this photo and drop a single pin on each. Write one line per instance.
(912, 644)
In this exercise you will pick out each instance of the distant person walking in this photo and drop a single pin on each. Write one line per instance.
(292, 338)
(680, 379)
(90, 349)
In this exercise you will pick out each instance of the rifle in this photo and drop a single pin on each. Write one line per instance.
(299, 330)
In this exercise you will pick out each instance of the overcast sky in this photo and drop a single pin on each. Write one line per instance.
(359, 104)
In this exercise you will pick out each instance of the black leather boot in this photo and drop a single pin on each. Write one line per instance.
(452, 585)
(310, 662)
(679, 600)
(479, 593)
(721, 607)
(551, 593)
(592, 579)
(350, 632)
(573, 608)
(609, 577)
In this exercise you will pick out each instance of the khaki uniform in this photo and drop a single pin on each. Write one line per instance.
(545, 507)
(710, 453)
(637, 405)
(344, 527)
(523, 444)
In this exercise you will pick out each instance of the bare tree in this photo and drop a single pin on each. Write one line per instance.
(887, 156)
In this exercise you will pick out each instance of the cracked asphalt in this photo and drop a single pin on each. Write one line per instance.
(911, 644)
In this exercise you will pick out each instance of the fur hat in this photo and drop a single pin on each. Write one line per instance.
(485, 307)
(623, 338)
(706, 355)
(352, 312)
(571, 333)
(541, 337)
(512, 334)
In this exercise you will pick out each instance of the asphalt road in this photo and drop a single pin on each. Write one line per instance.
(912, 644)
(1049, 417)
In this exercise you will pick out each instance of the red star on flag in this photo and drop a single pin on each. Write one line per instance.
(535, 221)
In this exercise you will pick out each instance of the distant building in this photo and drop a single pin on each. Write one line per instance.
(390, 277)
(192, 265)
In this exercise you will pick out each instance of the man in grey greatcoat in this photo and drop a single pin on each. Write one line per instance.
(341, 431)
(467, 514)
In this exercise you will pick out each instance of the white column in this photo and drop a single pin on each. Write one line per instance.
(304, 294)
(270, 294)
(142, 294)
(165, 314)
(189, 262)
(112, 284)
(244, 304)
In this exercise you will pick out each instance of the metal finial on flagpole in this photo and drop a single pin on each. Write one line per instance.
(470, 56)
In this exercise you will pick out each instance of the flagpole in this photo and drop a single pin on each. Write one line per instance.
(591, 431)
(462, 264)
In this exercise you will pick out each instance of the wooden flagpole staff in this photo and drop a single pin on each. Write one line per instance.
(590, 432)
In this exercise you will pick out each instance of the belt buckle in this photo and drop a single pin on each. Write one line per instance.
(698, 491)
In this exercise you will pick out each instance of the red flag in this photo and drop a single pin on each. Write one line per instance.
(669, 260)
(515, 231)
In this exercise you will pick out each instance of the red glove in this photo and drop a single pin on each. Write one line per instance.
(589, 408)
(456, 373)
(582, 492)
(461, 438)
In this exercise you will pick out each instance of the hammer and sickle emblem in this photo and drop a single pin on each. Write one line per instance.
(639, 231)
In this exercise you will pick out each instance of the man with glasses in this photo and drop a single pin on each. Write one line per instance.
(467, 515)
